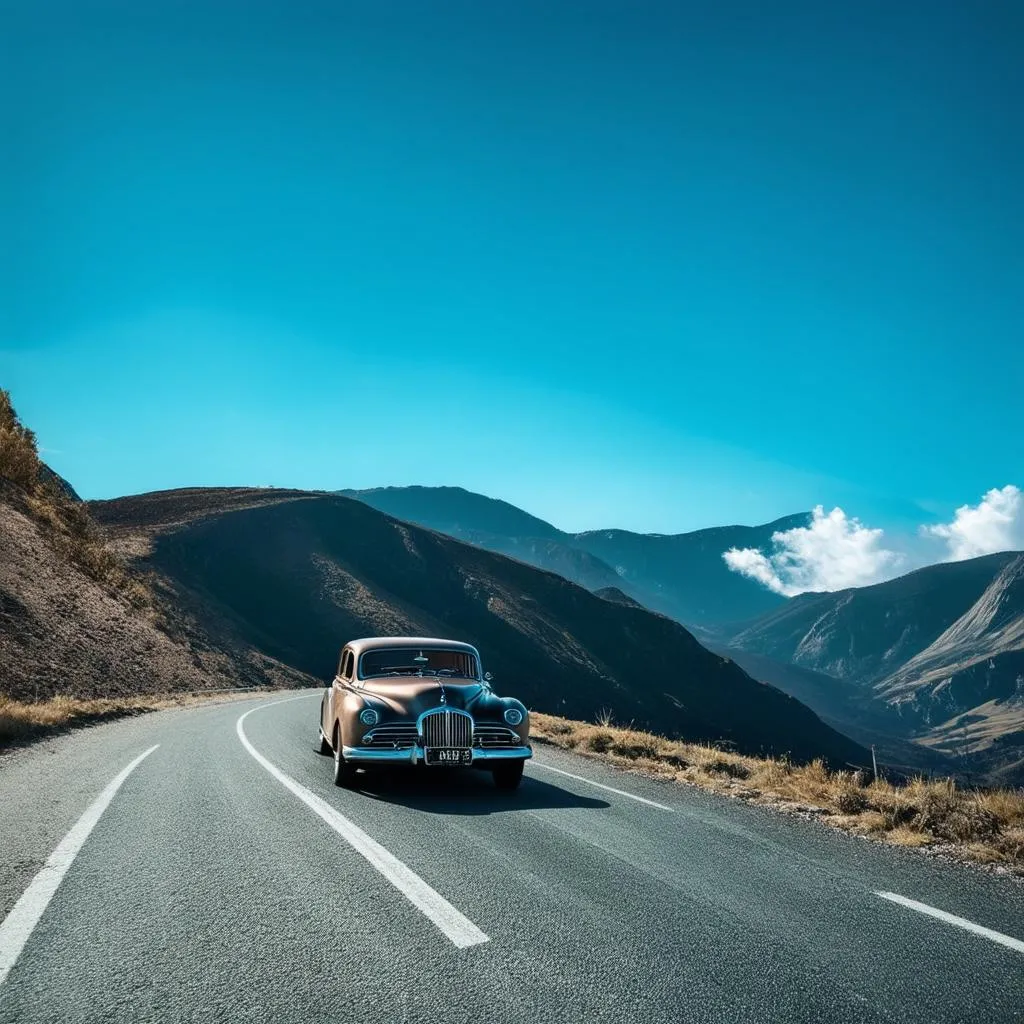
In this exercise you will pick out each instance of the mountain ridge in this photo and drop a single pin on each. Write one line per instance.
(681, 575)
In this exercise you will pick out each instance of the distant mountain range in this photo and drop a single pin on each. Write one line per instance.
(936, 655)
(929, 667)
(296, 574)
(681, 575)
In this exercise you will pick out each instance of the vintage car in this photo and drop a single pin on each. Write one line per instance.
(420, 701)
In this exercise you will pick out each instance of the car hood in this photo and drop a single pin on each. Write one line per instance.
(412, 695)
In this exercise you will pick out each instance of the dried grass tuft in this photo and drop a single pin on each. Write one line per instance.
(985, 826)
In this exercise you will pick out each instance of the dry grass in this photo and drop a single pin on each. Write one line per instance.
(986, 826)
(66, 523)
(23, 721)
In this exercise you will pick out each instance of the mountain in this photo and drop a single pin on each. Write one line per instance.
(74, 620)
(296, 574)
(864, 634)
(492, 524)
(936, 656)
(684, 575)
(680, 575)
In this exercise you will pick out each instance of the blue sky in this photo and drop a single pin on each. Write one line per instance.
(658, 266)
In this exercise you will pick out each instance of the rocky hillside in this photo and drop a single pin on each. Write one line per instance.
(681, 575)
(297, 574)
(75, 620)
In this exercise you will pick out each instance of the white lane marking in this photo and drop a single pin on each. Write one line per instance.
(600, 785)
(455, 925)
(960, 922)
(19, 924)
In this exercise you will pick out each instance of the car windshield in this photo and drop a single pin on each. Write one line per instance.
(407, 661)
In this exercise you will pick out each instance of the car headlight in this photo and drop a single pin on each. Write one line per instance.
(368, 716)
(513, 716)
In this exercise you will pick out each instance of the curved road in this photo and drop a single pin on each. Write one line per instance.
(226, 879)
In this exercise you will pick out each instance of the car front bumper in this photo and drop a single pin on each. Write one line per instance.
(414, 755)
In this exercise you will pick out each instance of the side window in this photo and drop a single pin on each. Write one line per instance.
(343, 666)
(349, 664)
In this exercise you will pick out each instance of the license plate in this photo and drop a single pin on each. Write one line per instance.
(448, 755)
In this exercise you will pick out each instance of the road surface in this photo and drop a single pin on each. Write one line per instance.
(206, 869)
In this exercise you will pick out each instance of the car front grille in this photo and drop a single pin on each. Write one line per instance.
(447, 727)
(495, 736)
(397, 737)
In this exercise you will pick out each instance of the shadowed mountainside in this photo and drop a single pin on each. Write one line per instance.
(681, 575)
(300, 575)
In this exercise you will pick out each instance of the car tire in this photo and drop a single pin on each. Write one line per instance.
(509, 774)
(322, 746)
(344, 771)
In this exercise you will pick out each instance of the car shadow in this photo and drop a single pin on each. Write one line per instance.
(465, 792)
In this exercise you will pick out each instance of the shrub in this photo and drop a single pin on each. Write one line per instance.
(600, 742)
(634, 747)
(955, 819)
(849, 800)
(724, 766)
(19, 456)
(65, 523)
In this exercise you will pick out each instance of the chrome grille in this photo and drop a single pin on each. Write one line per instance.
(447, 727)
(495, 736)
(397, 737)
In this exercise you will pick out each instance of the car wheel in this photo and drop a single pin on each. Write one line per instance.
(509, 774)
(344, 772)
(322, 745)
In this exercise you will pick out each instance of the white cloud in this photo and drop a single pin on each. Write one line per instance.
(751, 562)
(832, 553)
(836, 551)
(996, 523)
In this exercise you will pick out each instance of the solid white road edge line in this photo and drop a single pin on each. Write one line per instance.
(960, 922)
(19, 924)
(600, 785)
(455, 925)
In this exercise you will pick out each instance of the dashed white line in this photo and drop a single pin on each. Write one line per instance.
(600, 785)
(19, 924)
(455, 925)
(960, 922)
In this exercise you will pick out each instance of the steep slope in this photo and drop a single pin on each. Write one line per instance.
(299, 577)
(992, 628)
(866, 633)
(680, 575)
(936, 656)
(64, 632)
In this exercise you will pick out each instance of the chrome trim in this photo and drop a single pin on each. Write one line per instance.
(501, 753)
(408, 756)
(449, 732)
(415, 755)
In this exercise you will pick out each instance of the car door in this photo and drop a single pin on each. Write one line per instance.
(342, 683)
(330, 699)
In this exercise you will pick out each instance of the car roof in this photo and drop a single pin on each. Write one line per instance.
(371, 643)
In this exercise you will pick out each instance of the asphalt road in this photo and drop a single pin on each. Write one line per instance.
(227, 879)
